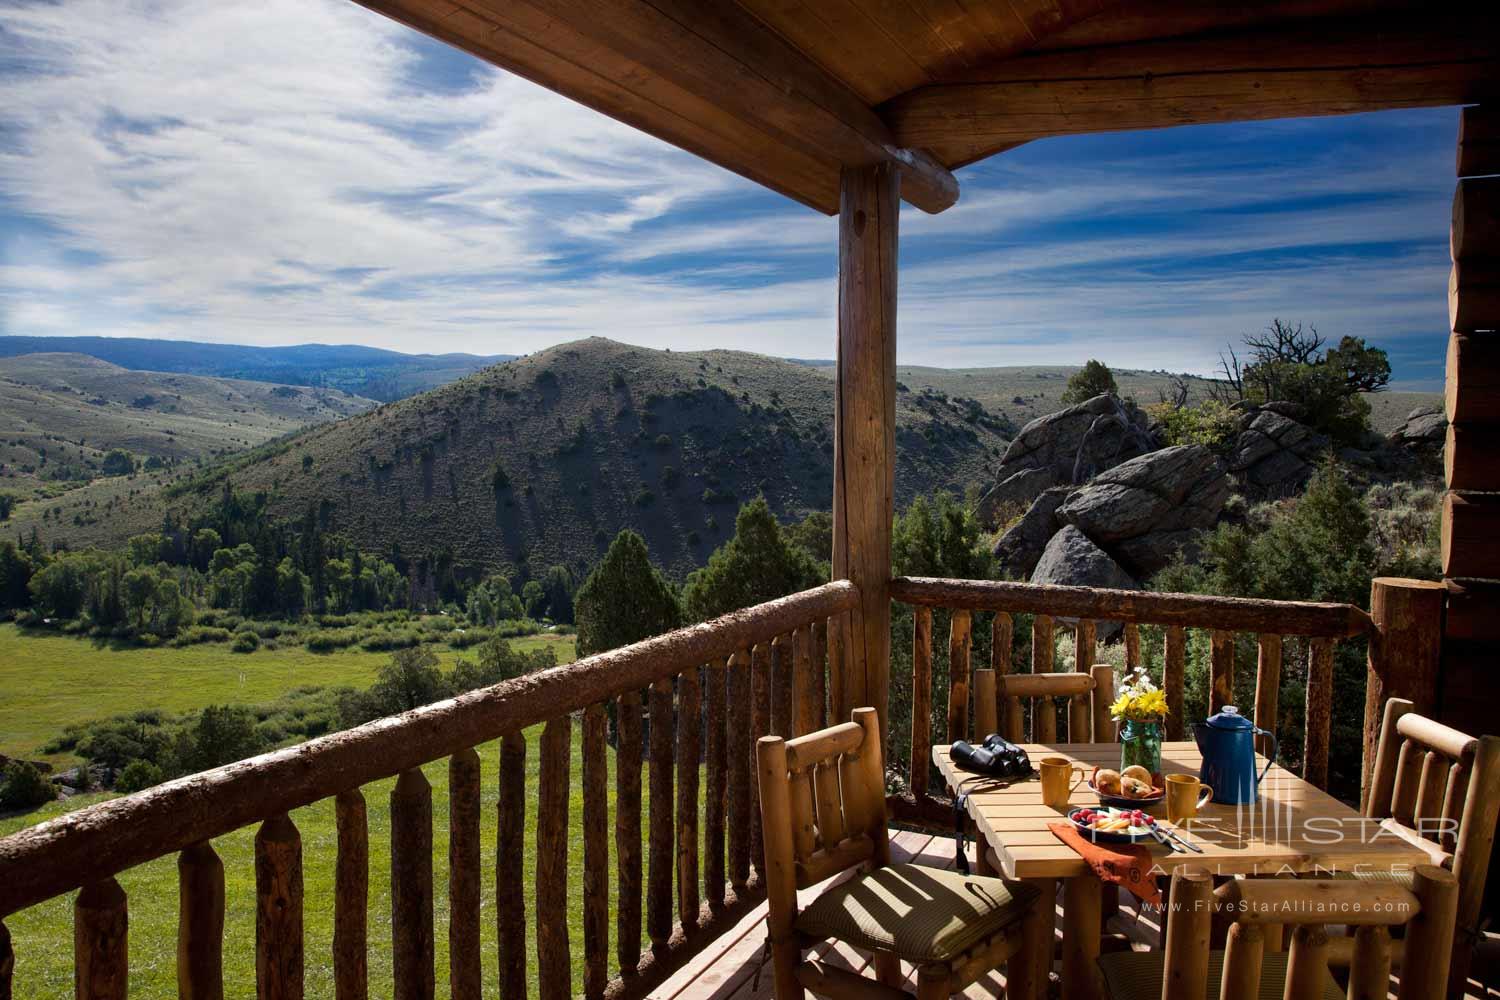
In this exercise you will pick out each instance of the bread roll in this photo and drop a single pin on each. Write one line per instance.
(1137, 789)
(1137, 772)
(1107, 781)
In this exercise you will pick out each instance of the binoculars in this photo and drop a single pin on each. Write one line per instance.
(996, 757)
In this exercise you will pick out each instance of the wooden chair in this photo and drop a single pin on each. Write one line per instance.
(1440, 789)
(1089, 697)
(822, 802)
(1246, 970)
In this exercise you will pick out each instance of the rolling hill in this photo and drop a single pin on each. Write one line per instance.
(62, 413)
(363, 371)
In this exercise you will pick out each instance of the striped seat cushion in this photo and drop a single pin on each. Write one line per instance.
(1137, 975)
(1401, 878)
(921, 914)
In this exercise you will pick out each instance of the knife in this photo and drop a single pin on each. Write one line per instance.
(1161, 838)
(1183, 841)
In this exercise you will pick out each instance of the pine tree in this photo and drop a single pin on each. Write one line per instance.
(625, 599)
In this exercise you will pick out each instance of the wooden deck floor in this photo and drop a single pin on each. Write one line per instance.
(731, 967)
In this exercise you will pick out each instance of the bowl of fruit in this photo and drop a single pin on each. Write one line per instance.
(1131, 788)
(1114, 826)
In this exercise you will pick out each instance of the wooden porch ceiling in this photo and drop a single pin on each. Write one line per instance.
(787, 92)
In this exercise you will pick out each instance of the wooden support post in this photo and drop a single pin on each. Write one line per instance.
(864, 437)
(1267, 688)
(554, 968)
(278, 910)
(1189, 923)
(1307, 963)
(1404, 651)
(741, 805)
(1082, 902)
(100, 942)
(1103, 697)
(464, 979)
(659, 855)
(958, 675)
(1479, 140)
(200, 924)
(689, 753)
(1243, 953)
(7, 963)
(351, 898)
(595, 851)
(1319, 711)
(1174, 662)
(1370, 971)
(413, 963)
(921, 698)
(716, 769)
(510, 860)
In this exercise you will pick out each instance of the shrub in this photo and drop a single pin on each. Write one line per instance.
(1093, 379)
(25, 787)
(1212, 423)
(138, 775)
(245, 642)
(201, 633)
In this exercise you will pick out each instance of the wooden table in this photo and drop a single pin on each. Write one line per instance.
(1293, 828)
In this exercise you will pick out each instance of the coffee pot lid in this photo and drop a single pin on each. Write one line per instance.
(1229, 717)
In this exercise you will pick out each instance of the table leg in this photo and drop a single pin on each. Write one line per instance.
(1083, 897)
(1026, 972)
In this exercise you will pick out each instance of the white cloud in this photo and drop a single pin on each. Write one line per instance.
(293, 170)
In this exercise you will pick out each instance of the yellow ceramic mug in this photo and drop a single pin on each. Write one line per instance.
(1185, 796)
(1057, 786)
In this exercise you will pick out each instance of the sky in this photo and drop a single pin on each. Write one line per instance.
(295, 171)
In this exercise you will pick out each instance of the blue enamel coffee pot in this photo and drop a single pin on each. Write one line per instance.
(1227, 742)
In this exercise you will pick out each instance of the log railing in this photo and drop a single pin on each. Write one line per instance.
(996, 705)
(712, 690)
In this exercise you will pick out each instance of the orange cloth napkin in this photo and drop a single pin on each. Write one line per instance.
(1129, 865)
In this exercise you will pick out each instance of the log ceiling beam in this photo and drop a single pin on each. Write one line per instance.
(1308, 68)
(704, 75)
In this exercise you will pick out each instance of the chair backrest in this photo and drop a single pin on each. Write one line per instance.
(1427, 911)
(1089, 697)
(1440, 789)
(822, 807)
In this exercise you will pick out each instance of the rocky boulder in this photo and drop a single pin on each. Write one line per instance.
(1273, 454)
(1426, 425)
(1021, 546)
(1071, 559)
(1066, 447)
(1144, 510)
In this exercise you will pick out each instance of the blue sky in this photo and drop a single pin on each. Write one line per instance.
(304, 170)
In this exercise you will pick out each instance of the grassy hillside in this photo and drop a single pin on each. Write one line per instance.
(365, 371)
(589, 438)
(63, 412)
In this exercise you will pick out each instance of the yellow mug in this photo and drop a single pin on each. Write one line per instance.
(1056, 785)
(1185, 796)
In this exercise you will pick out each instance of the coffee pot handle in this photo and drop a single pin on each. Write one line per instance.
(1271, 757)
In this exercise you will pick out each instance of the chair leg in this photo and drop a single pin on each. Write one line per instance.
(1026, 970)
(888, 969)
(934, 983)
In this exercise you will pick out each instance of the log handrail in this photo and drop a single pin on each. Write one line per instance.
(1229, 614)
(93, 844)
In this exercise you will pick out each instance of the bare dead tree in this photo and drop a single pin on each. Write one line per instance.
(1284, 342)
(1230, 388)
(1178, 396)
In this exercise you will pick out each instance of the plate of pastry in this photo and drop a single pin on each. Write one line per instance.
(1128, 789)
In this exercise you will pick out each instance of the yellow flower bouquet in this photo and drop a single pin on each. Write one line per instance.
(1140, 699)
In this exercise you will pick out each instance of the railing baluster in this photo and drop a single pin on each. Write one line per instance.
(985, 721)
(1132, 646)
(659, 857)
(1267, 688)
(553, 962)
(958, 675)
(760, 725)
(7, 962)
(1043, 710)
(782, 697)
(1454, 796)
(464, 979)
(1174, 659)
(1221, 670)
(838, 681)
(737, 738)
(1319, 711)
(351, 898)
(1002, 641)
(100, 942)
(1103, 697)
(807, 684)
(412, 960)
(595, 851)
(278, 910)
(200, 924)
(819, 675)
(716, 764)
(1084, 642)
(689, 753)
(628, 831)
(829, 803)
(921, 698)
(510, 872)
